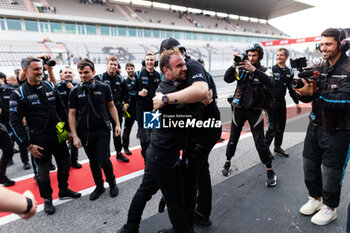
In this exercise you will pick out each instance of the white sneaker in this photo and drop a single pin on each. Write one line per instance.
(311, 206)
(324, 216)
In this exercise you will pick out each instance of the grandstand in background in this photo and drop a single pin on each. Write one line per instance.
(74, 29)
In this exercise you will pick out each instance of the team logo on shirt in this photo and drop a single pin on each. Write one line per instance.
(199, 75)
(151, 120)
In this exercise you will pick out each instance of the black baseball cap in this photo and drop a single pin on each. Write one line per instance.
(170, 43)
(200, 60)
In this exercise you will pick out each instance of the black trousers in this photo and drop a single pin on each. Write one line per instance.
(49, 141)
(171, 183)
(331, 151)
(256, 122)
(277, 122)
(73, 153)
(7, 149)
(144, 134)
(98, 152)
(129, 122)
(117, 140)
(22, 149)
(197, 180)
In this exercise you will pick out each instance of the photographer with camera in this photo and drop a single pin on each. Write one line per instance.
(250, 98)
(47, 64)
(117, 84)
(277, 114)
(90, 107)
(64, 88)
(40, 103)
(326, 146)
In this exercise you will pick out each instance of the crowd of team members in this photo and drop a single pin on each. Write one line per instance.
(97, 105)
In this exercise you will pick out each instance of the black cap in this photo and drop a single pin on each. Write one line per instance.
(200, 60)
(170, 43)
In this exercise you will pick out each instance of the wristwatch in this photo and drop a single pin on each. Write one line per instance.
(165, 99)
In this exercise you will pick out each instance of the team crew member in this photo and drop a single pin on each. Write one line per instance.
(6, 146)
(41, 105)
(129, 121)
(21, 78)
(200, 142)
(89, 105)
(145, 86)
(250, 98)
(116, 82)
(327, 141)
(5, 92)
(277, 113)
(64, 87)
(164, 166)
(11, 80)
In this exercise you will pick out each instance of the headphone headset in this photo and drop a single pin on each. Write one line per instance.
(88, 87)
(156, 62)
(342, 42)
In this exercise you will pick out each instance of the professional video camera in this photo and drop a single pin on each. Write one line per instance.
(304, 73)
(240, 57)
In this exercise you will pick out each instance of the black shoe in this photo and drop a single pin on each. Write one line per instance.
(6, 181)
(66, 194)
(76, 165)
(52, 167)
(226, 171)
(161, 205)
(271, 179)
(201, 219)
(48, 206)
(280, 151)
(97, 193)
(27, 166)
(113, 190)
(221, 140)
(124, 229)
(127, 151)
(121, 157)
(10, 163)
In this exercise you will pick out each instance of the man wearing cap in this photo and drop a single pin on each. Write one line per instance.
(201, 141)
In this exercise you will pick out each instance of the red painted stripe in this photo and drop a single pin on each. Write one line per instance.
(80, 179)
